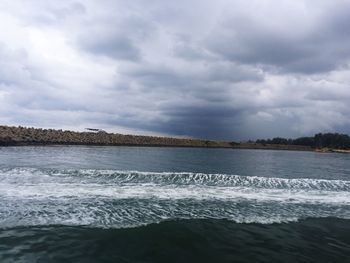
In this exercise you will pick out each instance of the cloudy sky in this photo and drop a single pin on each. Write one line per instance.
(223, 69)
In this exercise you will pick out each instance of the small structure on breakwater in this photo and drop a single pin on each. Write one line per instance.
(95, 130)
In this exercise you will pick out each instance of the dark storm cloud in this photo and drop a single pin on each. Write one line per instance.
(220, 70)
(203, 75)
(202, 121)
(194, 102)
(318, 45)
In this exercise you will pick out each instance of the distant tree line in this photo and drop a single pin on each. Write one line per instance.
(320, 140)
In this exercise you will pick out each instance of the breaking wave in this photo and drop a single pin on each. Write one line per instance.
(182, 178)
(110, 198)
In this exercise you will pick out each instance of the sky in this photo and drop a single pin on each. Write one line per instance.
(223, 69)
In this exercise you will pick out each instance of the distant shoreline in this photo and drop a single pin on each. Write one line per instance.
(240, 146)
(22, 136)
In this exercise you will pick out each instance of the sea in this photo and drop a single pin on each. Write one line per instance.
(149, 204)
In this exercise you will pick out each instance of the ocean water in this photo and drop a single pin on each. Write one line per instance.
(140, 204)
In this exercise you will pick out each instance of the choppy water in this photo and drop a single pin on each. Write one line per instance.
(129, 204)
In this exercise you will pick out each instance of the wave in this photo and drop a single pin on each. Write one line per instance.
(42, 184)
(174, 178)
(109, 198)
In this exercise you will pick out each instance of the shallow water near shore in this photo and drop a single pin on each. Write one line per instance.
(140, 204)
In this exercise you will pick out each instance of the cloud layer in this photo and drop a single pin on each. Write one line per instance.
(231, 70)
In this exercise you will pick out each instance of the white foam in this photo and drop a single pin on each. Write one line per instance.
(147, 191)
(130, 198)
(41, 184)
